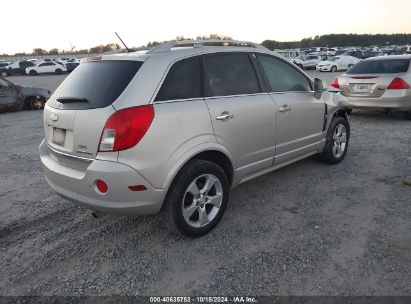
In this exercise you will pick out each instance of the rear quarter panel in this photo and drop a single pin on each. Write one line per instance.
(176, 129)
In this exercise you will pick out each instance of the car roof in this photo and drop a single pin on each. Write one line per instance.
(181, 49)
(389, 57)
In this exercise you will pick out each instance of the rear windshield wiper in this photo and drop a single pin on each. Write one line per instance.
(71, 99)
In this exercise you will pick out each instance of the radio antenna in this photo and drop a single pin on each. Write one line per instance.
(128, 50)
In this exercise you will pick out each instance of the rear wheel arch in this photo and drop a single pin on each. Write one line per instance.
(215, 154)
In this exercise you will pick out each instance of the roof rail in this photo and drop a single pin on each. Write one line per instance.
(167, 47)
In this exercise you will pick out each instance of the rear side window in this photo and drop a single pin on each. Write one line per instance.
(183, 81)
(229, 74)
(282, 77)
(95, 84)
(382, 66)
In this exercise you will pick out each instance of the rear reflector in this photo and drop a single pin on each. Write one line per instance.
(101, 186)
(125, 128)
(335, 83)
(398, 84)
(137, 188)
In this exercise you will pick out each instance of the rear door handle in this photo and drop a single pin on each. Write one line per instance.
(225, 116)
(284, 108)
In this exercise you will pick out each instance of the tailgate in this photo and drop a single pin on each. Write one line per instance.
(75, 132)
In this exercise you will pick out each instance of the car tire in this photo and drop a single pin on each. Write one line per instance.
(35, 103)
(337, 140)
(333, 69)
(407, 115)
(33, 73)
(188, 208)
(59, 71)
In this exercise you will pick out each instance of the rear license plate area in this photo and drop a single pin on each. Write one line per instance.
(360, 88)
(59, 136)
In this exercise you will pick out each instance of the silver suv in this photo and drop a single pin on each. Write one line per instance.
(175, 128)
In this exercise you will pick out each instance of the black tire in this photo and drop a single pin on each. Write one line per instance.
(333, 69)
(59, 71)
(328, 155)
(407, 115)
(35, 103)
(177, 197)
(32, 73)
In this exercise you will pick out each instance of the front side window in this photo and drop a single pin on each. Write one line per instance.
(229, 74)
(183, 81)
(282, 77)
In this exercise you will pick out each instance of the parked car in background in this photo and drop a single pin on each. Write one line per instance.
(307, 62)
(107, 158)
(15, 97)
(48, 67)
(4, 64)
(16, 68)
(379, 82)
(337, 63)
(72, 65)
(33, 60)
(354, 53)
(370, 54)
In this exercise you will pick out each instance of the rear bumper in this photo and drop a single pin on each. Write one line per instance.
(387, 101)
(323, 68)
(79, 186)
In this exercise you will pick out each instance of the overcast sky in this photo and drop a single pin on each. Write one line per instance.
(53, 23)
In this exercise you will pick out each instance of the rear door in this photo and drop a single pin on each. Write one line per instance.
(76, 113)
(243, 116)
(300, 116)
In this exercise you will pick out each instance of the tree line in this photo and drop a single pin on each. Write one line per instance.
(341, 40)
(330, 40)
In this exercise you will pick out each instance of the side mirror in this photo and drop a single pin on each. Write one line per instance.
(319, 88)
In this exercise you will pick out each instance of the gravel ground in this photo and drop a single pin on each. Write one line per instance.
(308, 229)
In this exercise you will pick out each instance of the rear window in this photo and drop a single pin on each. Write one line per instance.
(95, 84)
(382, 66)
(183, 81)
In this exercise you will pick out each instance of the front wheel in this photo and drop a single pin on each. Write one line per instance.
(197, 199)
(36, 103)
(33, 73)
(59, 71)
(333, 69)
(336, 144)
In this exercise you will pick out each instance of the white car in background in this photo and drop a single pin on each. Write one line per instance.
(47, 67)
(307, 61)
(337, 63)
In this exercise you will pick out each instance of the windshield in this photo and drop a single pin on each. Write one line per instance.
(382, 66)
(99, 83)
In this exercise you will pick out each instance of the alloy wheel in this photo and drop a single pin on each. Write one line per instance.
(202, 200)
(339, 140)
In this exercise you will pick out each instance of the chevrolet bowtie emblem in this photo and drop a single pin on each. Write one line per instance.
(54, 117)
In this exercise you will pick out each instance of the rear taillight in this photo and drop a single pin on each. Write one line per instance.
(335, 83)
(125, 128)
(398, 84)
